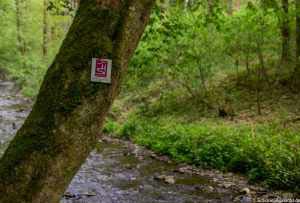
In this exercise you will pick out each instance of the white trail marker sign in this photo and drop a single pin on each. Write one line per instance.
(101, 70)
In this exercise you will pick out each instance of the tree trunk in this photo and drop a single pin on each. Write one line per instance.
(237, 5)
(186, 4)
(297, 2)
(229, 7)
(210, 7)
(69, 112)
(45, 29)
(285, 33)
(20, 37)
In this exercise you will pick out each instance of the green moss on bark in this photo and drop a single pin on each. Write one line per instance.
(69, 112)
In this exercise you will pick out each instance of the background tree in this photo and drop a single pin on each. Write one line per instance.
(45, 28)
(297, 3)
(19, 26)
(285, 34)
(229, 7)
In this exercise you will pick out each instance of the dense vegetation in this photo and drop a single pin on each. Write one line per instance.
(213, 83)
(30, 34)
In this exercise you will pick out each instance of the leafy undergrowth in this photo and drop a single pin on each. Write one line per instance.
(263, 152)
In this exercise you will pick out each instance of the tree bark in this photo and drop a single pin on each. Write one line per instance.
(69, 112)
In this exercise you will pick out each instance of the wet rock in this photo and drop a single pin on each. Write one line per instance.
(287, 195)
(88, 193)
(14, 126)
(128, 166)
(226, 185)
(245, 191)
(166, 179)
(146, 187)
(170, 179)
(185, 169)
(69, 195)
(243, 199)
(208, 189)
(91, 194)
(246, 199)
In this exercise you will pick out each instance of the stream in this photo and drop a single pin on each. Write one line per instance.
(122, 172)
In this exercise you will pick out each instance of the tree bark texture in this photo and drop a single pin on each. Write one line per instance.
(69, 112)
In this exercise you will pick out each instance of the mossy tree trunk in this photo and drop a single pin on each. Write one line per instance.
(68, 115)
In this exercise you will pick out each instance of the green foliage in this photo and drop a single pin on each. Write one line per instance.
(191, 54)
(263, 152)
(111, 127)
(249, 30)
(28, 69)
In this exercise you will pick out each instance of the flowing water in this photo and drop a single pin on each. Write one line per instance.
(120, 172)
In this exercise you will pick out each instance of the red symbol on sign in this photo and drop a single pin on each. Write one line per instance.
(101, 68)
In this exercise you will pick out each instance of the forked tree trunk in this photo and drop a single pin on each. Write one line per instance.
(68, 115)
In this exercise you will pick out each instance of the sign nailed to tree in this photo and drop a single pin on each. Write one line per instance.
(101, 70)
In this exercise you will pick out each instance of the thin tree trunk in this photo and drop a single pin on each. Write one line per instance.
(20, 37)
(45, 29)
(262, 66)
(210, 7)
(285, 33)
(229, 7)
(237, 5)
(248, 62)
(258, 102)
(297, 2)
(69, 112)
(186, 4)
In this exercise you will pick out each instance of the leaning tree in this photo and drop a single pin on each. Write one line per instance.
(69, 111)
